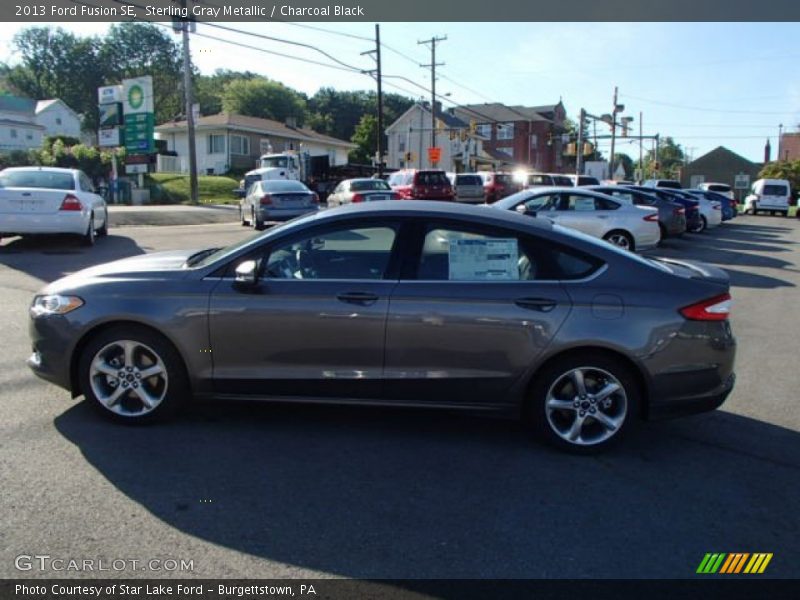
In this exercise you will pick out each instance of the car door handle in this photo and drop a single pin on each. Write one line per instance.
(540, 304)
(364, 298)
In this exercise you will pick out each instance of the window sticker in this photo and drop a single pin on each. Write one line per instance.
(484, 260)
(584, 203)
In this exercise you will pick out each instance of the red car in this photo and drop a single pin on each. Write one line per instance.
(422, 184)
(498, 185)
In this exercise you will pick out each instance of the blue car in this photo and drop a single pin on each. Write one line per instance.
(728, 208)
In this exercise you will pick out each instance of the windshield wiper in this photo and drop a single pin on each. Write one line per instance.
(198, 256)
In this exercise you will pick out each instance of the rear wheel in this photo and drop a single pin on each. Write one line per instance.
(103, 231)
(241, 217)
(620, 238)
(583, 404)
(132, 375)
(257, 223)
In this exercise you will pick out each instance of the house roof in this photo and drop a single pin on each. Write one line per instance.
(495, 111)
(253, 125)
(450, 120)
(17, 104)
(720, 152)
(14, 122)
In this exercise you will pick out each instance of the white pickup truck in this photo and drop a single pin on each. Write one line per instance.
(50, 200)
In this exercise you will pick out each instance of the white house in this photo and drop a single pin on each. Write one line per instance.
(18, 127)
(57, 118)
(229, 141)
(409, 138)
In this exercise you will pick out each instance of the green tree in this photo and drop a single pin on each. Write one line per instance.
(263, 98)
(208, 89)
(365, 135)
(670, 158)
(783, 169)
(57, 64)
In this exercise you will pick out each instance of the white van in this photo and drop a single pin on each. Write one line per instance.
(768, 195)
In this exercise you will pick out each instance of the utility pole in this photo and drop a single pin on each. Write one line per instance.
(579, 145)
(641, 151)
(656, 171)
(613, 134)
(187, 89)
(433, 41)
(780, 137)
(377, 72)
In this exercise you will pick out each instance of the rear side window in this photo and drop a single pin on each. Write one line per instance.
(775, 190)
(45, 180)
(365, 185)
(717, 187)
(503, 179)
(465, 254)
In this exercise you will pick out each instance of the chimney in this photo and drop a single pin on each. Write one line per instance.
(291, 122)
(767, 152)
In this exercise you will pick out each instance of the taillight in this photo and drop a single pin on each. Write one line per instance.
(717, 308)
(266, 200)
(71, 202)
(358, 198)
(652, 218)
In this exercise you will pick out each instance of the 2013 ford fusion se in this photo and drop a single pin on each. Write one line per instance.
(411, 303)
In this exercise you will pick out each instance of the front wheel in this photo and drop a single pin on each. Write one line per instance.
(132, 375)
(583, 404)
(242, 220)
(621, 239)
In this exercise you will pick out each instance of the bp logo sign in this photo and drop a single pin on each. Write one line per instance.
(136, 96)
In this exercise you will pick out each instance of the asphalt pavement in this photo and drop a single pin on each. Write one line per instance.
(263, 490)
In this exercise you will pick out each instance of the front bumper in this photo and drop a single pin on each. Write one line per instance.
(52, 340)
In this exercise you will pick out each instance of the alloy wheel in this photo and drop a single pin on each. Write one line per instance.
(128, 378)
(586, 406)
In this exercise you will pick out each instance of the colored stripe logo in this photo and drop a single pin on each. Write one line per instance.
(734, 563)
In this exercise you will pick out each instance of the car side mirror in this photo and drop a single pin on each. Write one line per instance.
(247, 274)
(239, 193)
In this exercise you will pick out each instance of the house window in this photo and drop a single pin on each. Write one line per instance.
(534, 140)
(505, 131)
(14, 134)
(402, 146)
(484, 130)
(240, 144)
(216, 144)
(58, 120)
(28, 135)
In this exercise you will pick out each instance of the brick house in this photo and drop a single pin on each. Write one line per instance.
(789, 147)
(530, 136)
(721, 166)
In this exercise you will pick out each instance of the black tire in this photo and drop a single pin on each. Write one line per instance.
(623, 409)
(244, 222)
(103, 231)
(620, 238)
(90, 237)
(701, 227)
(257, 223)
(175, 389)
(663, 231)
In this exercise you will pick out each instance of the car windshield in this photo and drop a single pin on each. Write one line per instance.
(45, 180)
(775, 190)
(368, 185)
(209, 256)
(432, 178)
(279, 162)
(468, 180)
(503, 179)
(280, 185)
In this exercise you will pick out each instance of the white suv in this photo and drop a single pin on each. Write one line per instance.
(770, 195)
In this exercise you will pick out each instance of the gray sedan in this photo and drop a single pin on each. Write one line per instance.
(398, 303)
(276, 200)
(671, 216)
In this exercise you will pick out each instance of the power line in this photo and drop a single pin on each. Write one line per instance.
(702, 109)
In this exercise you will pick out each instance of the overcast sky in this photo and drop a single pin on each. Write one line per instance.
(705, 84)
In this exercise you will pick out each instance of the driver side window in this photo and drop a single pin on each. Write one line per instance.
(351, 253)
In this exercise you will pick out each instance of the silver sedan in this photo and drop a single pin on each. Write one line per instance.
(631, 227)
(361, 190)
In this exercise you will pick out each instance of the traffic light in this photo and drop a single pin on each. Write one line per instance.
(463, 135)
(588, 148)
(407, 157)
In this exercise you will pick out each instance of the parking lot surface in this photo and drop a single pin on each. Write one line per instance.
(263, 490)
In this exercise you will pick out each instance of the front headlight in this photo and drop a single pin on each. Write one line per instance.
(54, 304)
